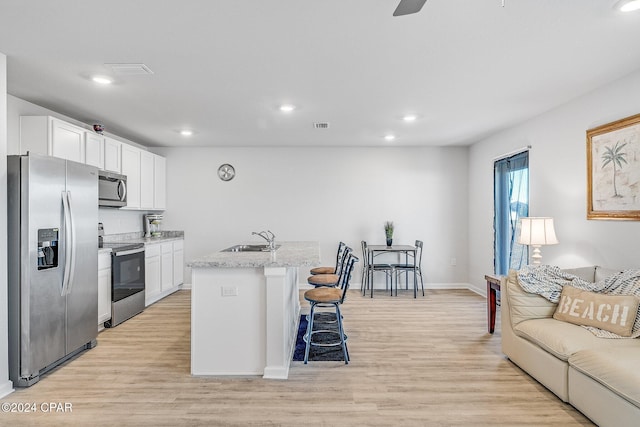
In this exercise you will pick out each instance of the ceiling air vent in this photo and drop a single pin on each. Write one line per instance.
(129, 69)
(321, 125)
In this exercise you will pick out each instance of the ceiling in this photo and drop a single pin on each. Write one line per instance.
(222, 68)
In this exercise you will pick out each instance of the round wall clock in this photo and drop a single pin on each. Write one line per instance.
(226, 172)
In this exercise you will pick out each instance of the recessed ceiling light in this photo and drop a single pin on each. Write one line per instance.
(102, 80)
(186, 132)
(389, 137)
(287, 108)
(628, 5)
(410, 118)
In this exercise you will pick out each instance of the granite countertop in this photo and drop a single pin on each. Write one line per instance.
(139, 237)
(289, 254)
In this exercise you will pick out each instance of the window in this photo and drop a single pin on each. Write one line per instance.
(511, 202)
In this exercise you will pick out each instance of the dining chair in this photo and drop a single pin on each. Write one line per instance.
(329, 297)
(369, 267)
(411, 267)
(331, 270)
(330, 280)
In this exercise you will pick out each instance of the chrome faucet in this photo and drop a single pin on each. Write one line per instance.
(268, 236)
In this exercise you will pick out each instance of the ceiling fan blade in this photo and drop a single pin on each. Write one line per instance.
(407, 7)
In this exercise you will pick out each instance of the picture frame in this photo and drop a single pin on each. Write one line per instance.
(613, 170)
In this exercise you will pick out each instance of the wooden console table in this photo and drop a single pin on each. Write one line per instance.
(493, 286)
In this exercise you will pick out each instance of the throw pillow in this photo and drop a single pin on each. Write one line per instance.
(613, 313)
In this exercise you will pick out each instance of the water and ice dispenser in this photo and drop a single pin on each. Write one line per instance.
(48, 248)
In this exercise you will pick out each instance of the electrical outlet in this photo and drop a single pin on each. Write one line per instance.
(229, 291)
(454, 261)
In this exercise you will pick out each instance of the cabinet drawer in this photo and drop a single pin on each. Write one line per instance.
(178, 245)
(151, 250)
(167, 248)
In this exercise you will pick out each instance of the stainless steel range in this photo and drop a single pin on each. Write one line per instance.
(127, 281)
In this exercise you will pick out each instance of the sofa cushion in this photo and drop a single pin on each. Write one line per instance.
(585, 273)
(524, 305)
(615, 368)
(602, 273)
(613, 313)
(564, 339)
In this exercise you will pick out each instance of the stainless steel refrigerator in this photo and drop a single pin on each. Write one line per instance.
(53, 263)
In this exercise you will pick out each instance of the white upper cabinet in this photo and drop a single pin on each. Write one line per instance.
(131, 168)
(153, 181)
(67, 141)
(94, 149)
(53, 137)
(146, 180)
(146, 172)
(112, 154)
(160, 181)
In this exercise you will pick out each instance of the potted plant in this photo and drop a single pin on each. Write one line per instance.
(388, 231)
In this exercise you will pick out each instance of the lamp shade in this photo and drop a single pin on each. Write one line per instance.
(537, 231)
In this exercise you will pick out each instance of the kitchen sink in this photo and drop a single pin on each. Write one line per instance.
(249, 248)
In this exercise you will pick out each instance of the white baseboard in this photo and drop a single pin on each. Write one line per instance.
(6, 389)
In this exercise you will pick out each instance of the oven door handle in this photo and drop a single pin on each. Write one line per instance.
(129, 252)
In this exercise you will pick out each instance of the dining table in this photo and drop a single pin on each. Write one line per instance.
(407, 250)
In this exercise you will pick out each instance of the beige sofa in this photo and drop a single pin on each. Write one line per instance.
(600, 377)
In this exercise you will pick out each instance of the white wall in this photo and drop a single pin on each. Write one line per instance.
(558, 183)
(5, 385)
(326, 195)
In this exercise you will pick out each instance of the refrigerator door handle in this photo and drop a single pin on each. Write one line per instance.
(69, 243)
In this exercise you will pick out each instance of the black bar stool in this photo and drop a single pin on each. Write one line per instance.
(330, 297)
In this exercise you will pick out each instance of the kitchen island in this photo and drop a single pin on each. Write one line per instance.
(245, 310)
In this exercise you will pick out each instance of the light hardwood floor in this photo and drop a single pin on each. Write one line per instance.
(424, 362)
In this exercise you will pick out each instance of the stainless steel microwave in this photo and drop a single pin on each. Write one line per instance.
(112, 189)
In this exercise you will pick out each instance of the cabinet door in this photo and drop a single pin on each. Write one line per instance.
(94, 149)
(67, 141)
(131, 168)
(153, 272)
(104, 288)
(178, 263)
(160, 182)
(112, 150)
(146, 180)
(167, 266)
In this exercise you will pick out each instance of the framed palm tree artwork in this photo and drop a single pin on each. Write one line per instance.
(613, 170)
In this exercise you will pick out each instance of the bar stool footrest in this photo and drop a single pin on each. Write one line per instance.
(328, 334)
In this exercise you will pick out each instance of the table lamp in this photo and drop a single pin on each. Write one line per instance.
(537, 231)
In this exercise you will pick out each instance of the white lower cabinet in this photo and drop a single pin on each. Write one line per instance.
(104, 287)
(167, 266)
(164, 265)
(178, 262)
(153, 273)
